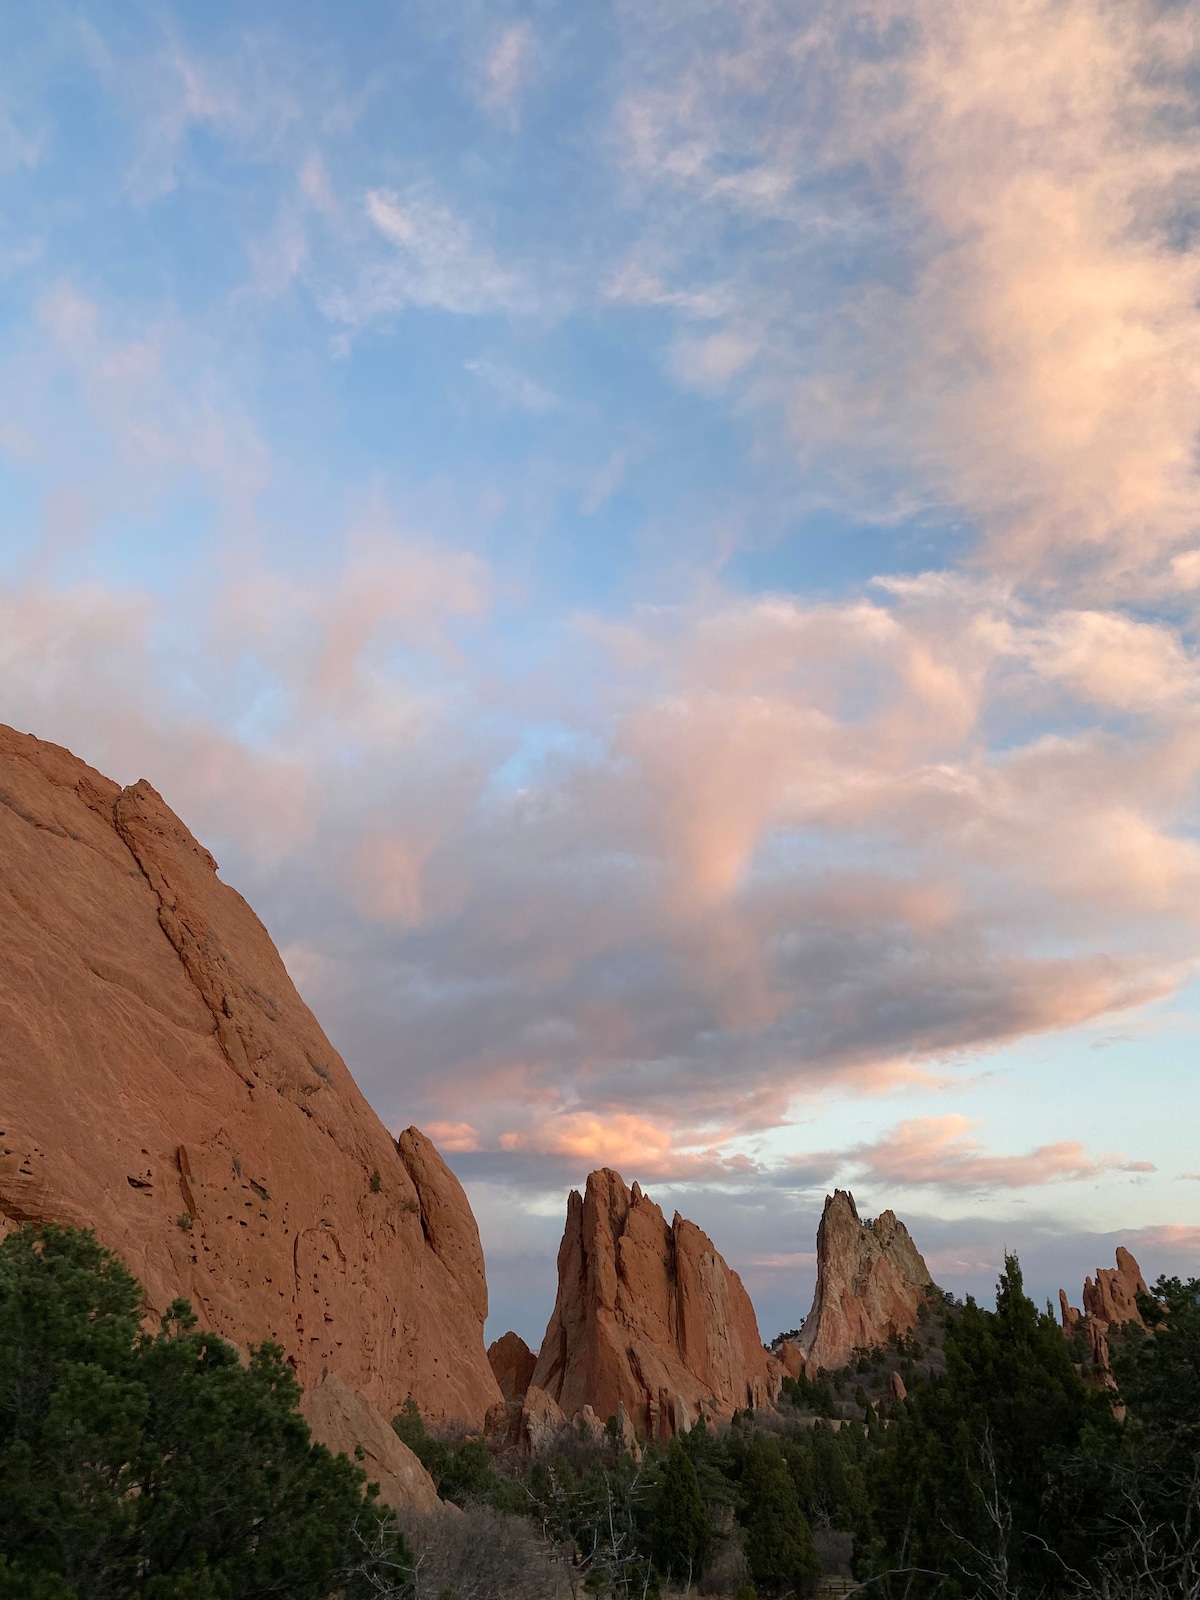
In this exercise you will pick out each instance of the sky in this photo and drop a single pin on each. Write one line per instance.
(657, 544)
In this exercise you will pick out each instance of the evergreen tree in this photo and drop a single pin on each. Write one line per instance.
(680, 1528)
(977, 1488)
(161, 1466)
(778, 1541)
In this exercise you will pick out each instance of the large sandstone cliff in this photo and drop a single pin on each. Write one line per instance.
(648, 1318)
(162, 1081)
(871, 1283)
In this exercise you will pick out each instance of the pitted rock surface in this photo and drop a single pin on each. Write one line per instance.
(871, 1284)
(164, 1084)
(648, 1317)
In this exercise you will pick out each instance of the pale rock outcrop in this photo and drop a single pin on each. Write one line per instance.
(871, 1284)
(648, 1317)
(512, 1363)
(896, 1387)
(350, 1425)
(164, 1084)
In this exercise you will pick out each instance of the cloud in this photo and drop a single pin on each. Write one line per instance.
(507, 69)
(940, 1152)
(1019, 176)
(167, 90)
(513, 386)
(431, 260)
(779, 846)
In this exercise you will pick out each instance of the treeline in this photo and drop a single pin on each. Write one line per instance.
(162, 1466)
(1007, 1472)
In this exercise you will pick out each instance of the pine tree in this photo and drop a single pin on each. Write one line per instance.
(973, 1491)
(778, 1540)
(680, 1530)
(155, 1467)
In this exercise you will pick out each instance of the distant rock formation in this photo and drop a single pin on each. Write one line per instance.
(1109, 1301)
(790, 1357)
(648, 1318)
(871, 1284)
(164, 1084)
(527, 1425)
(512, 1363)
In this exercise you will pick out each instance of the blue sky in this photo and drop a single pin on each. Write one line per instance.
(658, 547)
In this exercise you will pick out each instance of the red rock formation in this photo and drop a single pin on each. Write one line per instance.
(512, 1363)
(790, 1357)
(1112, 1297)
(648, 1316)
(164, 1083)
(348, 1424)
(1109, 1301)
(871, 1284)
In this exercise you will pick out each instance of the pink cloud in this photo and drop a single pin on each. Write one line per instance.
(940, 1152)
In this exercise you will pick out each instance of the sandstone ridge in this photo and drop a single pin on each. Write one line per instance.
(649, 1326)
(166, 1086)
(871, 1284)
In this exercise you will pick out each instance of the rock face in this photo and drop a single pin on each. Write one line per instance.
(648, 1317)
(164, 1084)
(348, 1424)
(527, 1425)
(790, 1357)
(871, 1283)
(1109, 1300)
(1111, 1297)
(512, 1363)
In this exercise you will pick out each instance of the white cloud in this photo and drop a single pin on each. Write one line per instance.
(508, 68)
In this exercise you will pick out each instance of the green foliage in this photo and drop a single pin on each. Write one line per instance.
(464, 1475)
(681, 1530)
(1152, 1531)
(1159, 1377)
(376, 1181)
(811, 1394)
(978, 1486)
(778, 1540)
(160, 1466)
(599, 1518)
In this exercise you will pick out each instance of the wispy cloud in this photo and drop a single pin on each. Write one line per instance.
(515, 387)
(940, 1152)
(507, 69)
(1029, 350)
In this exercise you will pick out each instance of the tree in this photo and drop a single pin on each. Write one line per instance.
(778, 1540)
(1152, 1527)
(159, 1465)
(680, 1529)
(981, 1487)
